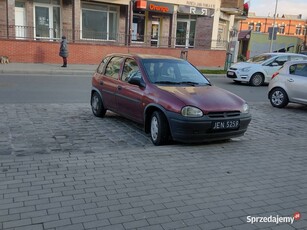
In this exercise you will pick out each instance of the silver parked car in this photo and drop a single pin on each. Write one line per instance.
(289, 84)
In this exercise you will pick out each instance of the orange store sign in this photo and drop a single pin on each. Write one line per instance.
(160, 7)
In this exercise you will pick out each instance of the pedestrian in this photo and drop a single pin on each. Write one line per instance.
(64, 51)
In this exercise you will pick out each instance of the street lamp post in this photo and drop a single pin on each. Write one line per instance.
(273, 30)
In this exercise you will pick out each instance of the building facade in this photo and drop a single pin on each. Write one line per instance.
(174, 24)
(288, 25)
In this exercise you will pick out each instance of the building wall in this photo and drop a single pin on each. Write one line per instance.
(266, 22)
(259, 43)
(79, 53)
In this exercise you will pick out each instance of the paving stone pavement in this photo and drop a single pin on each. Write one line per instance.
(63, 168)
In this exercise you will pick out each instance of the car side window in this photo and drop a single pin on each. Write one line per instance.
(102, 65)
(130, 69)
(298, 69)
(281, 60)
(297, 58)
(113, 67)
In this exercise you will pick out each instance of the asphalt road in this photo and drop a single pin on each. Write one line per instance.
(16, 88)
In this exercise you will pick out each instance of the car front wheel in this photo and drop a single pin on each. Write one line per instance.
(97, 105)
(257, 79)
(159, 131)
(278, 98)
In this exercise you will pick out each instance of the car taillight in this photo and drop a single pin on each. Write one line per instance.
(274, 75)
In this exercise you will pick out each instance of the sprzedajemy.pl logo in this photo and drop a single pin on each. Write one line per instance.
(274, 219)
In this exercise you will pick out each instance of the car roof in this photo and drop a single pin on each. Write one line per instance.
(282, 54)
(295, 62)
(144, 56)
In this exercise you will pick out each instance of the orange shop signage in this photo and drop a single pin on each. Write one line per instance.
(160, 7)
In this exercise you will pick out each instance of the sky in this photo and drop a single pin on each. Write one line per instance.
(267, 7)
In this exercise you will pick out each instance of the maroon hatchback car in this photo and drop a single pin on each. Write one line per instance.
(169, 97)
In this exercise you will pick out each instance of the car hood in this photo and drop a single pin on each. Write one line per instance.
(206, 98)
(241, 65)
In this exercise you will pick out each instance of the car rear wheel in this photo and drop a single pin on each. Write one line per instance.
(159, 130)
(278, 98)
(257, 79)
(97, 105)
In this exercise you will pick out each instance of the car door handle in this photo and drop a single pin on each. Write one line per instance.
(100, 82)
(290, 80)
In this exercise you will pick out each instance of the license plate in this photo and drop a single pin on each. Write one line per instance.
(230, 73)
(228, 124)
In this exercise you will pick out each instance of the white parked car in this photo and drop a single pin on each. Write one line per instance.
(259, 69)
(289, 84)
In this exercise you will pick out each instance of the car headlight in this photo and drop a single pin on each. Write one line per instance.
(190, 111)
(247, 69)
(245, 108)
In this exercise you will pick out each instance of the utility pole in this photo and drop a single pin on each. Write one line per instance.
(273, 30)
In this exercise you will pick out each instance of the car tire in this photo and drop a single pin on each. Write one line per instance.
(97, 105)
(159, 129)
(278, 98)
(257, 79)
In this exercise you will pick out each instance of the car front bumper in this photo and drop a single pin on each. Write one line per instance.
(236, 76)
(193, 130)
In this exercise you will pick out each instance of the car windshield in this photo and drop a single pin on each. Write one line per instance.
(259, 58)
(176, 72)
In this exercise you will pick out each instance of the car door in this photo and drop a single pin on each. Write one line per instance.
(109, 82)
(296, 83)
(129, 97)
(274, 65)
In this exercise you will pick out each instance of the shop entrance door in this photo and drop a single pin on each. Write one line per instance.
(185, 33)
(155, 32)
(47, 21)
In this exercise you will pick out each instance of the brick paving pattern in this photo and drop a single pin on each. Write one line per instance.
(63, 168)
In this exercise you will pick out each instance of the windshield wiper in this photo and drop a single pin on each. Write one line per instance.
(167, 82)
(189, 83)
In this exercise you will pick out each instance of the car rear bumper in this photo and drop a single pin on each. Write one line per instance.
(201, 129)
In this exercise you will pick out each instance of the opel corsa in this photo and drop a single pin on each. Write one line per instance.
(169, 97)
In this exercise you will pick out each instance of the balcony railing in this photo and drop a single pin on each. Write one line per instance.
(43, 34)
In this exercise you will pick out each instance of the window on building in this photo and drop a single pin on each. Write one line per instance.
(185, 33)
(298, 30)
(47, 18)
(305, 31)
(281, 29)
(99, 22)
(251, 26)
(138, 27)
(258, 27)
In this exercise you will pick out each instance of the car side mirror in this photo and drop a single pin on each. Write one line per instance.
(274, 64)
(137, 80)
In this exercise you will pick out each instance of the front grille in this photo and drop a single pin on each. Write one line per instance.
(231, 114)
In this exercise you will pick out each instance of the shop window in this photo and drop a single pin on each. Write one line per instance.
(138, 27)
(99, 22)
(47, 19)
